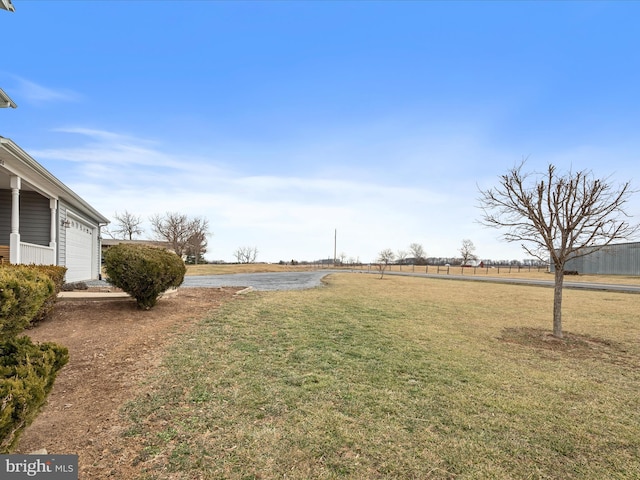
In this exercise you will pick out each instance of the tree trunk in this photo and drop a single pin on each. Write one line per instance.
(557, 301)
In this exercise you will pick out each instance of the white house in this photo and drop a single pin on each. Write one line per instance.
(42, 221)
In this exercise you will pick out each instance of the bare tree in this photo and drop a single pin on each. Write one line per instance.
(246, 254)
(197, 242)
(385, 257)
(401, 256)
(179, 230)
(417, 252)
(466, 251)
(562, 216)
(127, 226)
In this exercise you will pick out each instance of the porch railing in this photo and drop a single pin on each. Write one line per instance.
(36, 254)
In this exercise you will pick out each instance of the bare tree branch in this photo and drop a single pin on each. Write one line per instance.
(557, 216)
(127, 226)
(418, 253)
(246, 254)
(385, 257)
(185, 235)
(466, 251)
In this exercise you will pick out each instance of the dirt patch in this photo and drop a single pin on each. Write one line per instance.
(112, 347)
(572, 344)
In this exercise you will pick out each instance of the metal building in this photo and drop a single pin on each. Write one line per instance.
(619, 259)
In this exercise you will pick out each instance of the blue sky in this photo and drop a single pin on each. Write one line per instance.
(282, 121)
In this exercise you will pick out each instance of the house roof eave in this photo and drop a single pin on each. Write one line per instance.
(64, 192)
(5, 101)
(6, 5)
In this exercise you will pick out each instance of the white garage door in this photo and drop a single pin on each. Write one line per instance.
(79, 251)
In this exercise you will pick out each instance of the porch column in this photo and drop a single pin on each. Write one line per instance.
(14, 237)
(53, 205)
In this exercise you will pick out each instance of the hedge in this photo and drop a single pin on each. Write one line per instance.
(27, 370)
(56, 274)
(27, 373)
(23, 293)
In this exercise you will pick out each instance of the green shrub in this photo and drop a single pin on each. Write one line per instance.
(143, 272)
(23, 292)
(56, 274)
(27, 373)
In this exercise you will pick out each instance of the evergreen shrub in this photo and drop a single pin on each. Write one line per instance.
(27, 373)
(144, 272)
(23, 293)
(56, 274)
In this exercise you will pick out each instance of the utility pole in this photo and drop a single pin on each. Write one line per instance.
(335, 243)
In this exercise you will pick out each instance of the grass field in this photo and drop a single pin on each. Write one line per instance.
(404, 378)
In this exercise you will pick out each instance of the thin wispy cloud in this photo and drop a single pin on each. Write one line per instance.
(38, 94)
(107, 148)
(114, 172)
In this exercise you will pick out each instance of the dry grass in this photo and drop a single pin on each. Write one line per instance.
(399, 378)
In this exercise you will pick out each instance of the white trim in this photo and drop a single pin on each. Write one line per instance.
(5, 101)
(6, 5)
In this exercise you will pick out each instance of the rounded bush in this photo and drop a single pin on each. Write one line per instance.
(23, 292)
(143, 272)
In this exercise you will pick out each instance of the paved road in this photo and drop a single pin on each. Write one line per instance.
(526, 281)
(260, 281)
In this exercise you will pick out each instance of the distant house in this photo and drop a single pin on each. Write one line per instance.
(472, 262)
(42, 221)
(110, 242)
